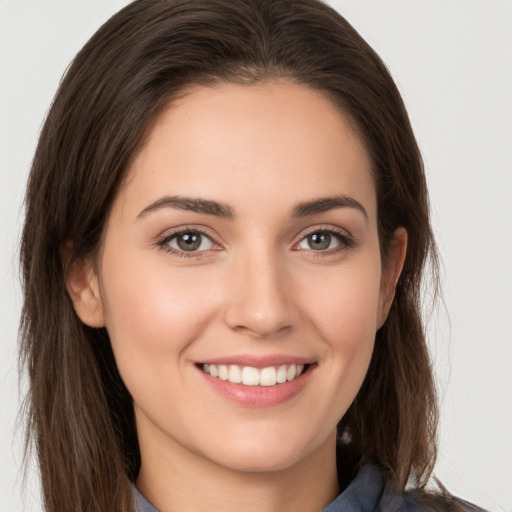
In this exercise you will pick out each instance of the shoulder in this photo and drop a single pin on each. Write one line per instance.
(141, 504)
(368, 492)
(420, 500)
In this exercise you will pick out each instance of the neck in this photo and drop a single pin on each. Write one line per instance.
(176, 479)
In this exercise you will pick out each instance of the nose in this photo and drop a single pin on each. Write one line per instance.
(260, 297)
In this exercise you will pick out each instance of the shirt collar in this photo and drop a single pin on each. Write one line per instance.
(362, 494)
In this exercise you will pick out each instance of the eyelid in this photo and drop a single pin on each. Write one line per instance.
(166, 236)
(326, 228)
(346, 239)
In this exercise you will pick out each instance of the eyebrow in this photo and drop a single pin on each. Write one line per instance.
(223, 210)
(190, 204)
(324, 204)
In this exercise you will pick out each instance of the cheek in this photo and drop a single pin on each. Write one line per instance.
(153, 312)
(344, 311)
(344, 303)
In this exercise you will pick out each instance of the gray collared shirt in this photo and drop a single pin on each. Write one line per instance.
(366, 493)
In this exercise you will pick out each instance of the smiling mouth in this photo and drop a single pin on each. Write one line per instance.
(250, 376)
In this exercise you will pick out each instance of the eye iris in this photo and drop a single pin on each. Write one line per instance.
(189, 241)
(319, 241)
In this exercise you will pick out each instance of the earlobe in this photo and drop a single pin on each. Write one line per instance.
(392, 268)
(83, 288)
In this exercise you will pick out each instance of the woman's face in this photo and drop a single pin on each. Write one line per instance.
(244, 243)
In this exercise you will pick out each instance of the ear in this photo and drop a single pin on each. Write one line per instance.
(392, 268)
(83, 288)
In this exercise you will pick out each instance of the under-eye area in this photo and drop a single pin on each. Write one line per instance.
(251, 376)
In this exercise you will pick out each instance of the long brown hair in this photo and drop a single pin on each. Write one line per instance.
(80, 415)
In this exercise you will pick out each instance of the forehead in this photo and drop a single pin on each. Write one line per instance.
(275, 142)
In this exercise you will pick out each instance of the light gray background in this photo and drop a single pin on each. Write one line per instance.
(452, 62)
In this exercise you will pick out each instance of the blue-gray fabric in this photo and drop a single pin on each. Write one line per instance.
(365, 493)
(142, 503)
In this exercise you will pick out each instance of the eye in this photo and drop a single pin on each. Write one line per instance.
(324, 241)
(188, 241)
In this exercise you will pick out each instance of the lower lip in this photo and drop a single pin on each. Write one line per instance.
(258, 396)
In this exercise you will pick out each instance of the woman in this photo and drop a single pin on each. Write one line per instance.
(226, 227)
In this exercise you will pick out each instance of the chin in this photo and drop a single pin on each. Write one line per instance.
(259, 461)
(261, 455)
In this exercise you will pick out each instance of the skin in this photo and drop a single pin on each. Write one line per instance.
(257, 288)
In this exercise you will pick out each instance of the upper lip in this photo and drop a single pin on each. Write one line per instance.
(258, 361)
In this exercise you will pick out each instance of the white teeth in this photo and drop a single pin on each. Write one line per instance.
(235, 374)
(291, 372)
(223, 372)
(249, 376)
(281, 374)
(268, 376)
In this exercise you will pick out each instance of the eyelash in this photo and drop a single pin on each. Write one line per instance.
(163, 243)
(346, 242)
